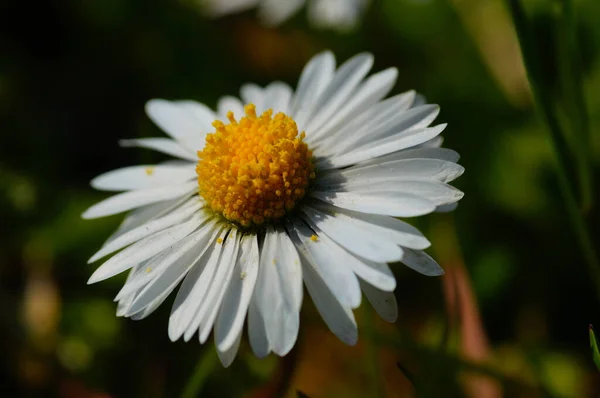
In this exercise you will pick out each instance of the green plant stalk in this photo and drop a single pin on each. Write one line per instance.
(207, 363)
(572, 84)
(374, 371)
(594, 345)
(557, 140)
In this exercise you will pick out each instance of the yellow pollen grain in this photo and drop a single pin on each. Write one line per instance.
(254, 170)
(149, 171)
(219, 240)
(314, 238)
(148, 270)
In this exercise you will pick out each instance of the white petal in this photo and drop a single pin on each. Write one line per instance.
(230, 321)
(315, 77)
(144, 249)
(148, 229)
(338, 318)
(436, 192)
(386, 203)
(415, 153)
(230, 104)
(203, 115)
(290, 270)
(406, 169)
(333, 139)
(211, 283)
(368, 93)
(253, 94)
(340, 14)
(324, 259)
(186, 121)
(194, 287)
(138, 198)
(257, 333)
(164, 145)
(383, 302)
(382, 227)
(352, 238)
(419, 100)
(152, 306)
(376, 273)
(421, 262)
(142, 177)
(400, 123)
(275, 12)
(124, 304)
(345, 80)
(142, 215)
(274, 295)
(217, 8)
(212, 302)
(446, 208)
(144, 272)
(125, 301)
(381, 147)
(277, 97)
(228, 355)
(195, 246)
(157, 265)
(433, 143)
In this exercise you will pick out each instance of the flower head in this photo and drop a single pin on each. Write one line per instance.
(337, 14)
(293, 187)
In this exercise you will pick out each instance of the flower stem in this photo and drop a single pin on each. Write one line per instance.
(557, 140)
(207, 363)
(372, 353)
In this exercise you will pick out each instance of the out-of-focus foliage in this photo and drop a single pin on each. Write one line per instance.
(594, 345)
(509, 317)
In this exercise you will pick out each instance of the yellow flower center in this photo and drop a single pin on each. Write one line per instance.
(254, 170)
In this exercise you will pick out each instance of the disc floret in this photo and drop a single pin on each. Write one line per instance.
(255, 170)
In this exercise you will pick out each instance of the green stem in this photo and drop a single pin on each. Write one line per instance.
(594, 345)
(572, 83)
(544, 105)
(204, 368)
(374, 370)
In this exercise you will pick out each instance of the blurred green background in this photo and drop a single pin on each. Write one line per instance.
(509, 318)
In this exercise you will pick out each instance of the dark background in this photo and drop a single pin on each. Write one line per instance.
(74, 77)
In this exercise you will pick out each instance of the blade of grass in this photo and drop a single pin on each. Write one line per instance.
(571, 74)
(557, 139)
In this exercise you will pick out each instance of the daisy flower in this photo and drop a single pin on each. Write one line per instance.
(270, 191)
(336, 14)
